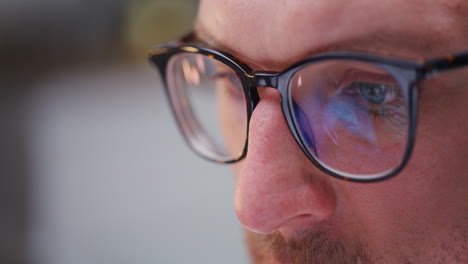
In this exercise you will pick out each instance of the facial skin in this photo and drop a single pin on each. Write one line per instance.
(294, 213)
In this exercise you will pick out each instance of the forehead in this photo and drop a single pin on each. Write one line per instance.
(275, 33)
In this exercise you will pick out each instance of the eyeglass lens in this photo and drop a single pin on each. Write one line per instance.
(351, 116)
(209, 102)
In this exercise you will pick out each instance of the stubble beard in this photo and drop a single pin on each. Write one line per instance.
(318, 246)
(307, 246)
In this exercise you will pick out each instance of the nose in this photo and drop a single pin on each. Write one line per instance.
(277, 187)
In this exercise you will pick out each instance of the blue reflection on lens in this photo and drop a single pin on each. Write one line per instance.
(344, 113)
(304, 126)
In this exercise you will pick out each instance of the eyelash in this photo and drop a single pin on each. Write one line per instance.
(389, 110)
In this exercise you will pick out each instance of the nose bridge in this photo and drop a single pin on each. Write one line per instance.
(276, 188)
(266, 79)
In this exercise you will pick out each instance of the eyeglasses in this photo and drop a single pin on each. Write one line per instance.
(352, 114)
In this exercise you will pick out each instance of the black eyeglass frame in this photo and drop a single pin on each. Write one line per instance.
(407, 73)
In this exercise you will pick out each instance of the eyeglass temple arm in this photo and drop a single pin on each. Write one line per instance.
(451, 62)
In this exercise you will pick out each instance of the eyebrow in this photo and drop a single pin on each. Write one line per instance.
(201, 35)
(375, 43)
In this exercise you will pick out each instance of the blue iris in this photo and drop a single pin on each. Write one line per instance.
(374, 93)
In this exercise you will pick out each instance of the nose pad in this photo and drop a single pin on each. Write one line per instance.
(304, 125)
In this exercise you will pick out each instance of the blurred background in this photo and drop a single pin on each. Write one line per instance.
(92, 167)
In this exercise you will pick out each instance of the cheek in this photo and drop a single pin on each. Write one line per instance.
(442, 137)
(438, 165)
(429, 196)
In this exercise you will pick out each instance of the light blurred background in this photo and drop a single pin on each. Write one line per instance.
(92, 167)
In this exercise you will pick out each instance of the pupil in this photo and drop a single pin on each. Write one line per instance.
(374, 93)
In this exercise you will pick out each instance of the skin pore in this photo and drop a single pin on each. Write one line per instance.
(294, 213)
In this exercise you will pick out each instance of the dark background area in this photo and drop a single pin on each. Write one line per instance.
(40, 40)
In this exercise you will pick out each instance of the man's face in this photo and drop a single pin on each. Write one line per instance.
(293, 212)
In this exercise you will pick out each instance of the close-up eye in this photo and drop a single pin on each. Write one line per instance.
(375, 93)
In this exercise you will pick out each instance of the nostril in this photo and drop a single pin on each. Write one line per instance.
(296, 224)
(255, 220)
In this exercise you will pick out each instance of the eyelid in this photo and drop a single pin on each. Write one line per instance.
(352, 75)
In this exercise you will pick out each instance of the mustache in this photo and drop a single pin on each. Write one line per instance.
(307, 246)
